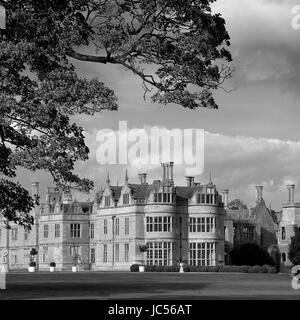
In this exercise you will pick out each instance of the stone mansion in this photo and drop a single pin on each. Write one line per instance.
(155, 223)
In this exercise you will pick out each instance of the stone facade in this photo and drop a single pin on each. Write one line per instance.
(153, 223)
(157, 223)
(290, 218)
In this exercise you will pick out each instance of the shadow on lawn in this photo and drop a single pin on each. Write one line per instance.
(90, 290)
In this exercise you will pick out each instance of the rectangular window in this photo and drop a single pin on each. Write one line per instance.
(57, 230)
(159, 197)
(248, 233)
(283, 233)
(93, 255)
(26, 234)
(75, 230)
(92, 230)
(125, 198)
(126, 252)
(105, 253)
(193, 225)
(45, 254)
(159, 224)
(46, 230)
(126, 225)
(117, 228)
(14, 234)
(117, 252)
(160, 253)
(202, 253)
(75, 250)
(105, 226)
(14, 258)
(107, 201)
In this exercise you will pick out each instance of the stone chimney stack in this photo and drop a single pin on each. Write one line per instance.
(171, 167)
(259, 193)
(291, 190)
(225, 194)
(164, 172)
(190, 181)
(35, 188)
(168, 171)
(143, 178)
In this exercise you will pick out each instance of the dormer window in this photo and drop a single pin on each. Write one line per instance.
(107, 201)
(126, 198)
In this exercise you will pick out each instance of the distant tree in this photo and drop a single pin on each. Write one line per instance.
(294, 247)
(237, 204)
(250, 254)
(40, 91)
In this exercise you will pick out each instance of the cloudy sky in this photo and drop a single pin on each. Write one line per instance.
(254, 136)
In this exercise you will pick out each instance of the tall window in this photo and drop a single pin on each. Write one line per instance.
(14, 258)
(105, 226)
(46, 230)
(93, 255)
(210, 224)
(159, 224)
(125, 198)
(283, 257)
(157, 197)
(14, 234)
(117, 226)
(107, 201)
(75, 230)
(92, 230)
(75, 250)
(283, 233)
(57, 231)
(26, 233)
(126, 225)
(202, 253)
(117, 252)
(45, 254)
(160, 253)
(105, 253)
(126, 252)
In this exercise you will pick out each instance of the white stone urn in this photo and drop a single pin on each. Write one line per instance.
(141, 268)
(181, 267)
(31, 269)
(52, 269)
(74, 268)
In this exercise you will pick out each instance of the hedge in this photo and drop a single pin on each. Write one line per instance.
(189, 268)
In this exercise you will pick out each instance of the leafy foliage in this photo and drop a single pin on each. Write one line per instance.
(250, 254)
(237, 204)
(40, 90)
(294, 247)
